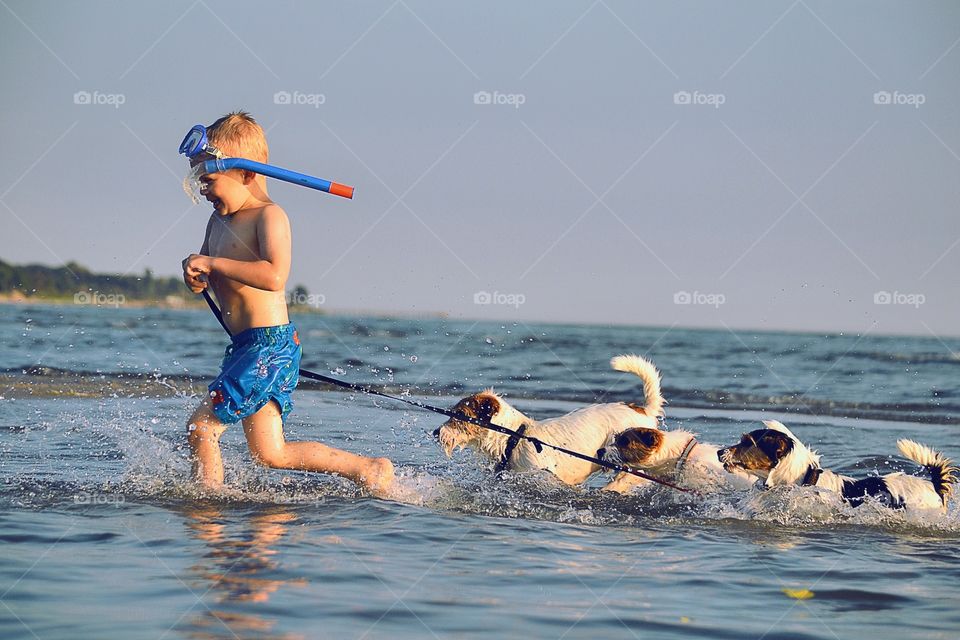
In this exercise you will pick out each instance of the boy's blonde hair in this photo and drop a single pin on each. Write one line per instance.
(238, 135)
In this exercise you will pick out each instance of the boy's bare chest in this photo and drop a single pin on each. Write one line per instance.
(235, 239)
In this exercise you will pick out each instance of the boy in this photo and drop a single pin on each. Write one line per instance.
(245, 259)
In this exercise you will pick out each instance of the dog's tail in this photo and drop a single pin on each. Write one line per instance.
(941, 469)
(652, 398)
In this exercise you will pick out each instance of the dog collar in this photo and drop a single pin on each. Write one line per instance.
(687, 450)
(512, 443)
(812, 477)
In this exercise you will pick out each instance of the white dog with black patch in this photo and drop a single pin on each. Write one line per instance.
(677, 455)
(777, 457)
(584, 430)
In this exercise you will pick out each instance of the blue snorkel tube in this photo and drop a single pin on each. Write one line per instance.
(225, 164)
(196, 143)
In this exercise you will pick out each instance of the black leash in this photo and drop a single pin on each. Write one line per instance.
(514, 436)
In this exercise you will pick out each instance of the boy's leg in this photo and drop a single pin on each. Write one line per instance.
(264, 432)
(203, 434)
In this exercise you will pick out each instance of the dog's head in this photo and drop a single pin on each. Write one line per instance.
(773, 454)
(637, 447)
(485, 406)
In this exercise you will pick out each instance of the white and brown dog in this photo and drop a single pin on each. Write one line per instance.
(676, 455)
(778, 457)
(584, 430)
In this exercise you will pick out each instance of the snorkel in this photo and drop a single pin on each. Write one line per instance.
(196, 143)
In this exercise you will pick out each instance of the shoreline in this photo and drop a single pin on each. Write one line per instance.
(185, 304)
(174, 303)
(42, 383)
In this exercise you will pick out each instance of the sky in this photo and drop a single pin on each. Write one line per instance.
(769, 165)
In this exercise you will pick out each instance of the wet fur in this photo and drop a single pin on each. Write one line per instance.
(658, 452)
(584, 430)
(778, 457)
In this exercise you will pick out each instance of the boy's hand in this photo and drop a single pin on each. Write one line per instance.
(195, 270)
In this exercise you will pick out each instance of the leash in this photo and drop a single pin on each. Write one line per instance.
(514, 436)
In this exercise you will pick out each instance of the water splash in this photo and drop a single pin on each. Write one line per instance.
(129, 452)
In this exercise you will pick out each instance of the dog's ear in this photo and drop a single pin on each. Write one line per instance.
(487, 407)
(648, 437)
(784, 446)
(645, 438)
(774, 444)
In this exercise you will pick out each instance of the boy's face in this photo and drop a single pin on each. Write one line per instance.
(227, 191)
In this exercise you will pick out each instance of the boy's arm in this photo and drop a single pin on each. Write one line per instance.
(271, 271)
(191, 279)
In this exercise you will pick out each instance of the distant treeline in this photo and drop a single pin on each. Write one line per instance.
(72, 278)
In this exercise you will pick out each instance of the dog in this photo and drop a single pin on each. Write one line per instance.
(777, 457)
(584, 430)
(668, 454)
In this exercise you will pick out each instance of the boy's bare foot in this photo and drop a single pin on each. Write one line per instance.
(379, 477)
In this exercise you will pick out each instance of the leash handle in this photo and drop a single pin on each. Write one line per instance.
(514, 436)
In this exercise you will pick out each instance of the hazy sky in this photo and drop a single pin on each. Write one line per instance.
(690, 164)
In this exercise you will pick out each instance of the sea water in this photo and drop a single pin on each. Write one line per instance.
(102, 536)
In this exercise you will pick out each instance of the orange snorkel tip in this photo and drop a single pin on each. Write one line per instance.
(342, 190)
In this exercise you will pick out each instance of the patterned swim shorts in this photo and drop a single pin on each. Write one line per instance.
(260, 365)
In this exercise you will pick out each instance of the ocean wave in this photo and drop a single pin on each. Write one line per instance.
(952, 357)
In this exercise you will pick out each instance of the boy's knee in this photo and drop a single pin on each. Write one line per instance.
(199, 431)
(272, 457)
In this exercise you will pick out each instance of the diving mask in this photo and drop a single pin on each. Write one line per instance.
(195, 143)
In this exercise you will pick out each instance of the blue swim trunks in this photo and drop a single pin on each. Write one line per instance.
(260, 365)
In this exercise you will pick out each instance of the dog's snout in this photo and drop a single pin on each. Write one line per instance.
(436, 433)
(725, 456)
(600, 452)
